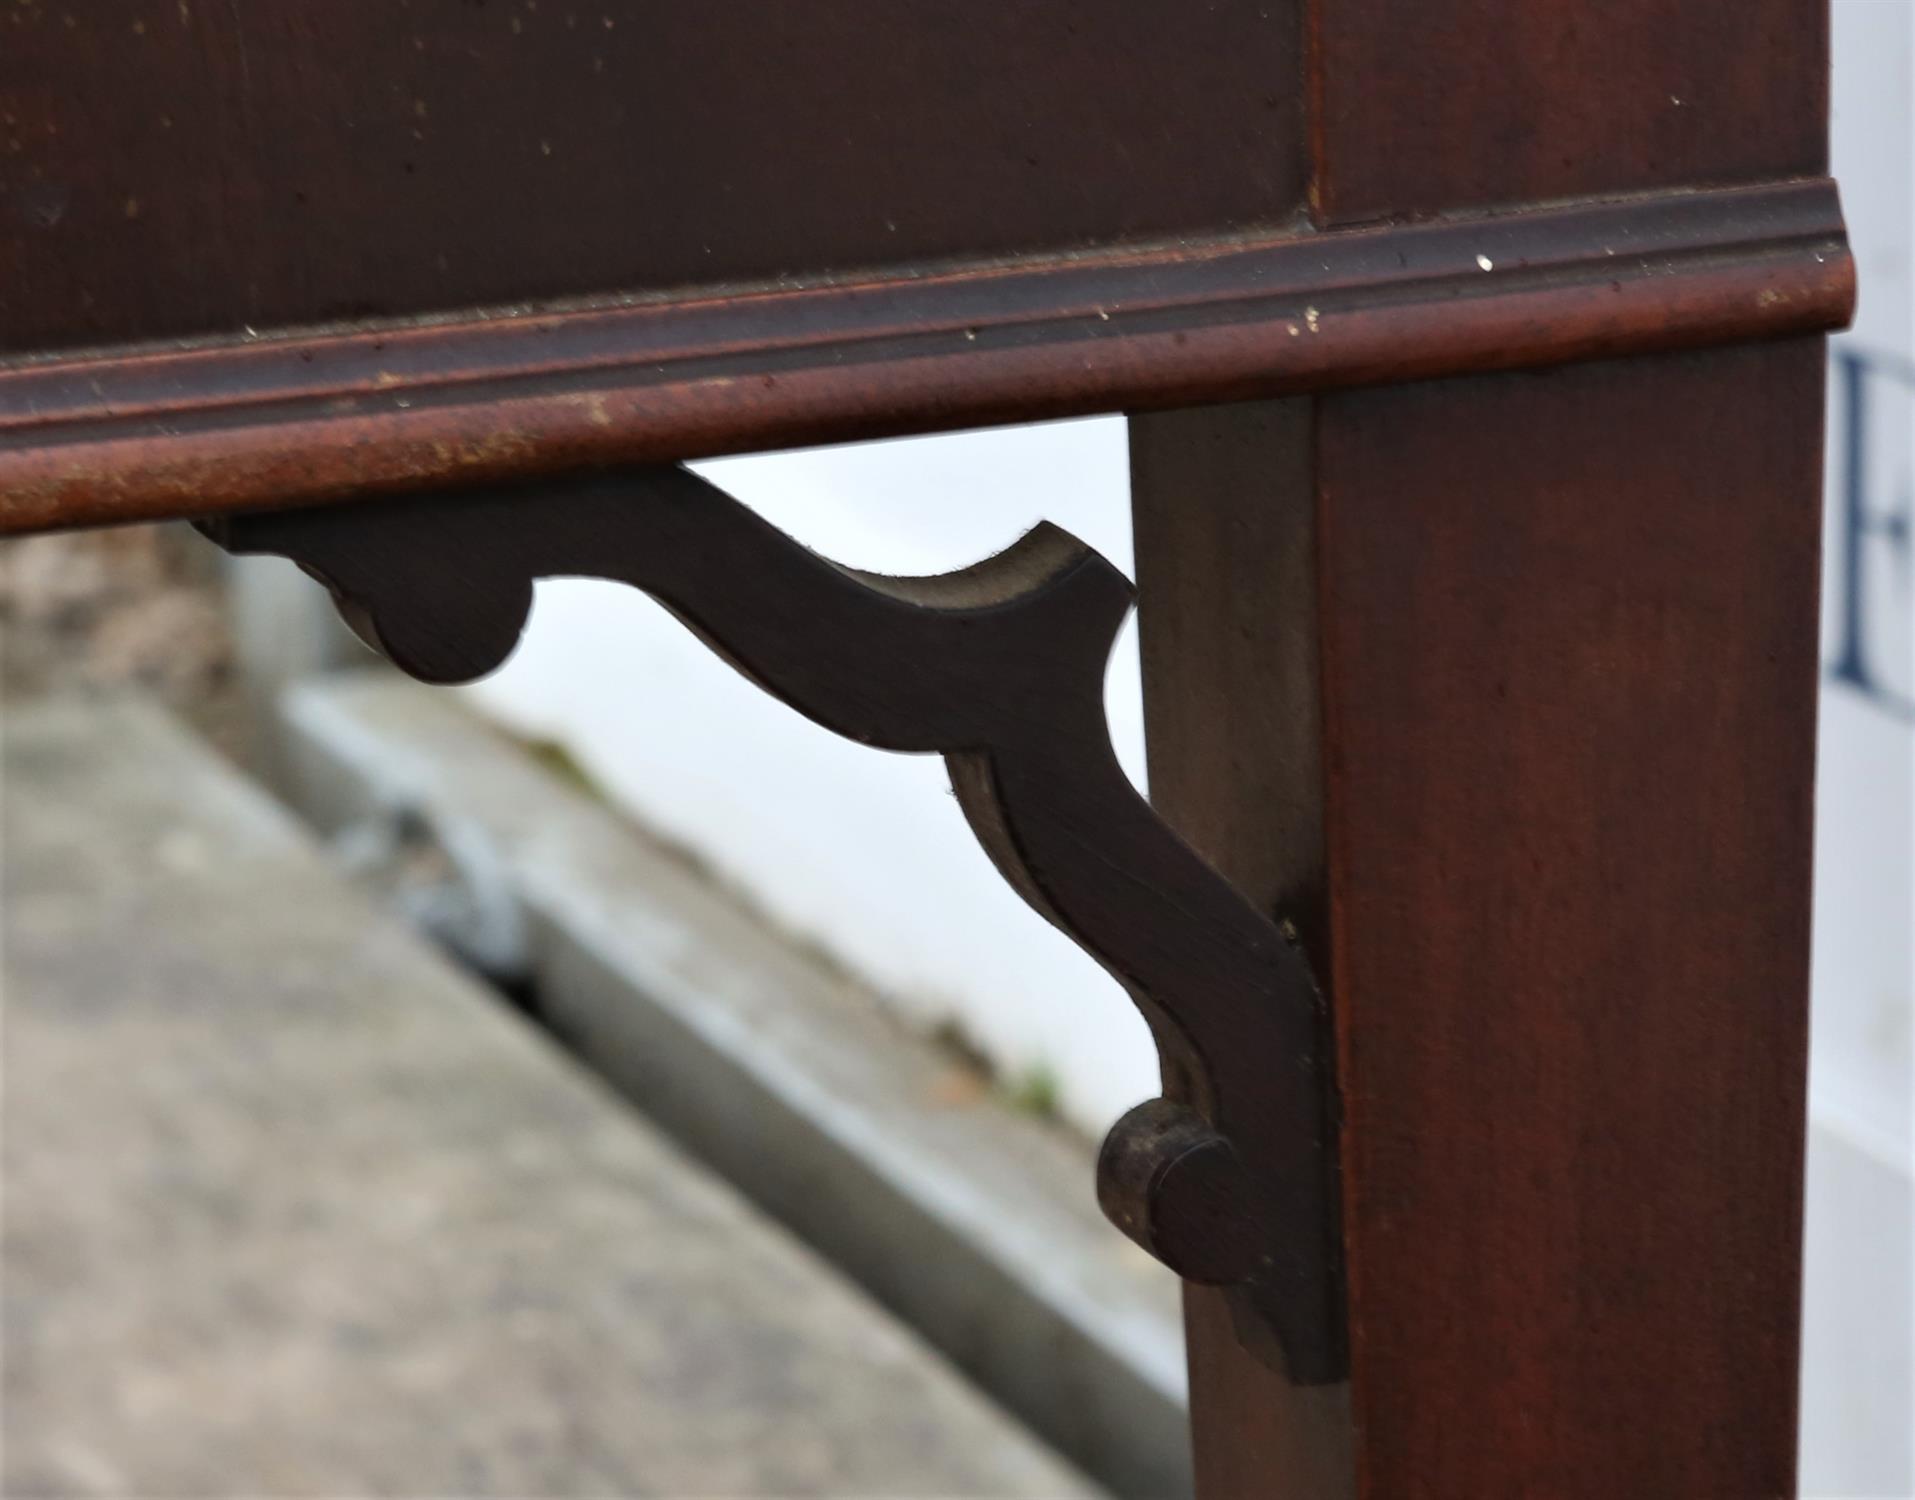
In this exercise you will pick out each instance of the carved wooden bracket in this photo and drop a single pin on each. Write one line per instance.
(1230, 1178)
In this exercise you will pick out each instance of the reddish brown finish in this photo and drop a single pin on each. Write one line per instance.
(1226, 575)
(1548, 839)
(317, 417)
(1545, 824)
(1439, 106)
(1565, 629)
(1569, 637)
(177, 169)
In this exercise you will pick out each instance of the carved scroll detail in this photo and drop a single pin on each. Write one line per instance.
(1230, 1177)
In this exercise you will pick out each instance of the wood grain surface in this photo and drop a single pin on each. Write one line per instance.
(1569, 635)
(1551, 842)
(1502, 690)
(176, 169)
(1434, 106)
(319, 416)
(1498, 686)
(1226, 541)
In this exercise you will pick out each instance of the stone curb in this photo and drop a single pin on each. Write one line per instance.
(974, 1224)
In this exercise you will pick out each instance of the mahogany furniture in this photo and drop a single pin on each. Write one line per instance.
(1474, 351)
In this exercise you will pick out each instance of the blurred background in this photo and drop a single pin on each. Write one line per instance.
(790, 954)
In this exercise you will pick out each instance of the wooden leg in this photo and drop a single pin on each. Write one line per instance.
(1226, 581)
(1526, 755)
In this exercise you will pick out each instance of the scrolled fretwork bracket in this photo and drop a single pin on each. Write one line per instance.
(1230, 1177)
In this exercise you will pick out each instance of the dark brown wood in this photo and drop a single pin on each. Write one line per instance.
(1497, 690)
(1549, 844)
(1564, 629)
(175, 170)
(1443, 106)
(1569, 636)
(1230, 1177)
(120, 436)
(1226, 569)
